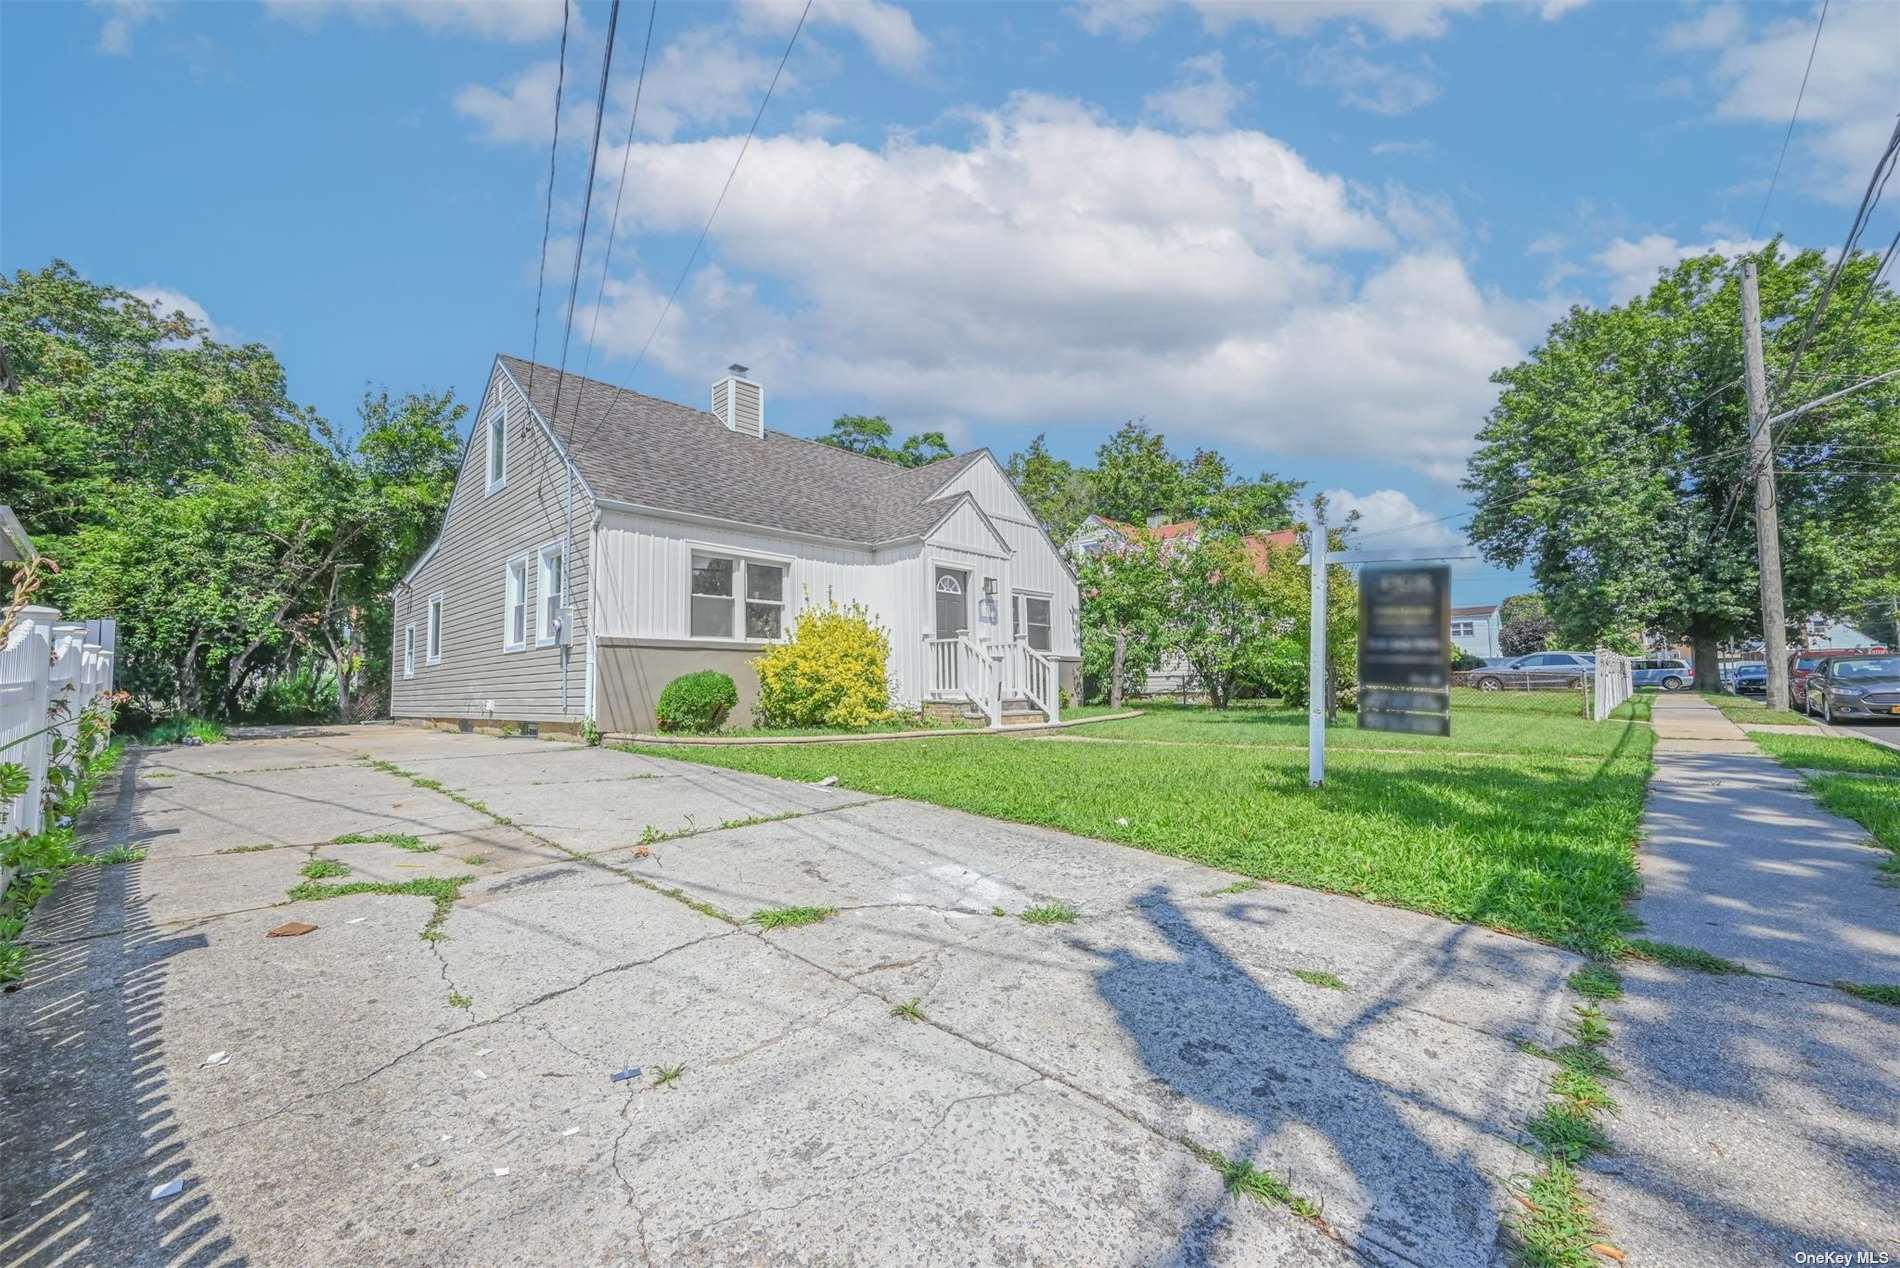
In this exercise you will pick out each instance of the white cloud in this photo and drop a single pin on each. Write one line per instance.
(1848, 111)
(521, 110)
(817, 123)
(1631, 268)
(1202, 97)
(1553, 10)
(1717, 27)
(886, 29)
(122, 18)
(1366, 84)
(1130, 19)
(1394, 19)
(166, 301)
(1398, 149)
(515, 21)
(1057, 266)
(1392, 517)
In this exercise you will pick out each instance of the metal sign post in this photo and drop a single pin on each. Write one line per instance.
(1318, 557)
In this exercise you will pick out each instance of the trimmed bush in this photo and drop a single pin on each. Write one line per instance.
(832, 672)
(697, 702)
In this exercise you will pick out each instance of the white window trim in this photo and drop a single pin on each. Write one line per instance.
(438, 618)
(1020, 606)
(741, 557)
(495, 482)
(409, 650)
(507, 607)
(545, 635)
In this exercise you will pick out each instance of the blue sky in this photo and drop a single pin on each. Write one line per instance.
(1302, 233)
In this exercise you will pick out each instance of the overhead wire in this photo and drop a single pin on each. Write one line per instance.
(547, 220)
(1789, 134)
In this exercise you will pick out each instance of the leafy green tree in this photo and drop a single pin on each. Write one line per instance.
(1533, 632)
(1125, 596)
(1135, 476)
(1055, 488)
(1615, 460)
(1519, 606)
(870, 435)
(1220, 614)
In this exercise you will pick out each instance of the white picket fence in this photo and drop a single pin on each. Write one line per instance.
(49, 674)
(1613, 683)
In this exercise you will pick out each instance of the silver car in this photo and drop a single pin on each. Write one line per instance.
(1550, 671)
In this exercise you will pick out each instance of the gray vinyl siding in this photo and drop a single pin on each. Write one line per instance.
(481, 532)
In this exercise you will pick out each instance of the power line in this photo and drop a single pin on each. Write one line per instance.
(704, 229)
(587, 206)
(613, 225)
(1789, 135)
(547, 221)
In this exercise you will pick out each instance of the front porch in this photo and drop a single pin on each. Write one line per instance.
(1003, 683)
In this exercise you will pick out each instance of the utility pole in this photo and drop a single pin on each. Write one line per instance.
(1767, 520)
(1316, 549)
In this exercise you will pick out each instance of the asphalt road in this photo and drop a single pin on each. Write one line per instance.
(1881, 732)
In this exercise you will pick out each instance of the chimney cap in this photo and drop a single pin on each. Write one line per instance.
(736, 368)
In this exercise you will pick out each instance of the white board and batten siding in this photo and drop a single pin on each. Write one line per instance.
(467, 566)
(1035, 567)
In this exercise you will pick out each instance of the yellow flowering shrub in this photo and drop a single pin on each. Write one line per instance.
(832, 672)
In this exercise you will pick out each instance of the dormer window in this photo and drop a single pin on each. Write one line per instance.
(497, 448)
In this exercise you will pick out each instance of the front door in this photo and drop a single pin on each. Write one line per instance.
(953, 602)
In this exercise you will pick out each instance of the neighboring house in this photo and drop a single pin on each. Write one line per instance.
(584, 562)
(1172, 675)
(1821, 631)
(1475, 629)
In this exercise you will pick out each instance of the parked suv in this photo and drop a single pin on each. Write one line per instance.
(1548, 670)
(1855, 687)
(1670, 675)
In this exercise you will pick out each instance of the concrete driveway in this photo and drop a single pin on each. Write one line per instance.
(393, 1100)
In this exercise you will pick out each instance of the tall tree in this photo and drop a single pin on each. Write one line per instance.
(1055, 488)
(1615, 459)
(1135, 476)
(870, 435)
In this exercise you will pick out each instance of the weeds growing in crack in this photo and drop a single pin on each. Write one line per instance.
(703, 908)
(401, 840)
(1597, 981)
(791, 917)
(1872, 992)
(910, 1010)
(755, 820)
(1243, 1179)
(1238, 887)
(474, 860)
(461, 1001)
(117, 854)
(435, 786)
(1321, 978)
(1672, 956)
(245, 849)
(667, 1075)
(1050, 914)
(998, 911)
(434, 935)
(323, 869)
(1557, 1228)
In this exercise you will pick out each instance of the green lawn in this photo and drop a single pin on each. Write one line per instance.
(1546, 722)
(1539, 842)
(1820, 752)
(1752, 709)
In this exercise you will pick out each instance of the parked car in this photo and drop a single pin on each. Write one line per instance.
(1546, 670)
(1855, 687)
(1750, 678)
(1806, 660)
(1662, 671)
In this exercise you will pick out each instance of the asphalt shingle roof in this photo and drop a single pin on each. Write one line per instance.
(651, 452)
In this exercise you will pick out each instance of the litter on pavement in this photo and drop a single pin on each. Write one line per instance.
(291, 929)
(827, 781)
(501, 1171)
(218, 1058)
(167, 1189)
(631, 1072)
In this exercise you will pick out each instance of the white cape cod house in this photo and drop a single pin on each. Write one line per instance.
(600, 543)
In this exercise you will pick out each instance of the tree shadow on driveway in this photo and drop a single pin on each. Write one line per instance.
(1289, 1098)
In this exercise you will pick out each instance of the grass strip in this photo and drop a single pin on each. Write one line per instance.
(401, 840)
(1671, 955)
(790, 917)
(1820, 752)
(1872, 992)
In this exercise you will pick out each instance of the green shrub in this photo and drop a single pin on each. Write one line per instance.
(697, 702)
(834, 671)
(172, 730)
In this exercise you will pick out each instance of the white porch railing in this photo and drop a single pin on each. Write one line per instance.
(985, 675)
(1611, 685)
(1029, 673)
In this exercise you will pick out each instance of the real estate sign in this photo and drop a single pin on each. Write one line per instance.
(1405, 649)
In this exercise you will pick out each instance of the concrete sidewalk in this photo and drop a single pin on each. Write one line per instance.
(1760, 1114)
(1684, 722)
(395, 1100)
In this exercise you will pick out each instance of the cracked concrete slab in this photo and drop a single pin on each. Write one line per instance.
(1039, 1114)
